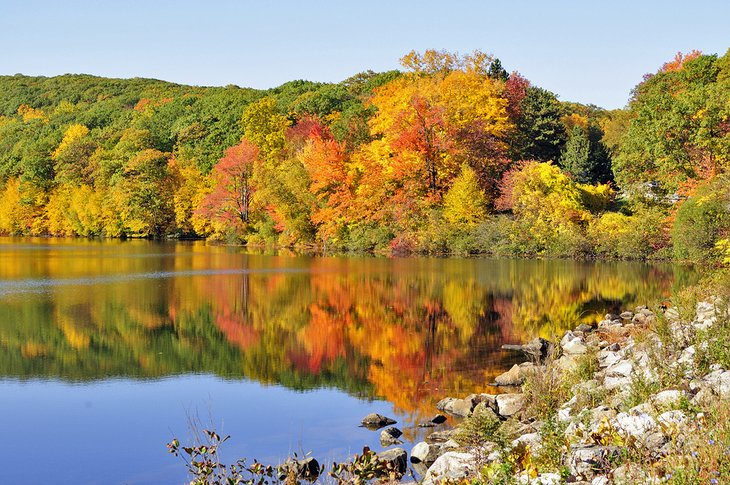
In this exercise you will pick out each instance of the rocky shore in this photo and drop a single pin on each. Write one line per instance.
(631, 400)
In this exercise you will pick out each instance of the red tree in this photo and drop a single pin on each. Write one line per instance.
(230, 200)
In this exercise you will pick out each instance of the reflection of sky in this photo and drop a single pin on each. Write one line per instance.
(115, 431)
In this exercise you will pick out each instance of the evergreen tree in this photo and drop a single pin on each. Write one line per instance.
(576, 156)
(585, 157)
(496, 71)
(540, 134)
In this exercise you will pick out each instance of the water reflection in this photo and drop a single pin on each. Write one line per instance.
(406, 330)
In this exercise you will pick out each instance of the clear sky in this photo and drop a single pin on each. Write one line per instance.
(586, 51)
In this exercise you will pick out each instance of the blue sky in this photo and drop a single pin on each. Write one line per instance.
(586, 51)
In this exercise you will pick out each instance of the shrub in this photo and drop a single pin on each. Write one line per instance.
(639, 235)
(482, 426)
(701, 221)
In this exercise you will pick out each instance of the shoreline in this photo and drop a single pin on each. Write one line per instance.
(625, 402)
(635, 399)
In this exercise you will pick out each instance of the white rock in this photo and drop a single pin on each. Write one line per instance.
(719, 382)
(634, 425)
(643, 408)
(425, 453)
(575, 347)
(564, 414)
(607, 358)
(451, 465)
(587, 461)
(611, 383)
(450, 445)
(688, 356)
(667, 398)
(622, 368)
(542, 479)
(510, 404)
(601, 480)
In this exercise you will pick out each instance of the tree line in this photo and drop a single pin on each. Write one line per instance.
(450, 154)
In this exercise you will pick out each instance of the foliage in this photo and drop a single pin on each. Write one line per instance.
(392, 162)
(702, 220)
(540, 134)
(203, 464)
(639, 235)
(228, 206)
(464, 203)
(678, 134)
(480, 427)
(548, 208)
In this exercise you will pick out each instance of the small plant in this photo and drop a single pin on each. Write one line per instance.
(482, 426)
(545, 389)
(364, 468)
(550, 457)
(203, 464)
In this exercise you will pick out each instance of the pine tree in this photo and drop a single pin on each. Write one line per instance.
(576, 156)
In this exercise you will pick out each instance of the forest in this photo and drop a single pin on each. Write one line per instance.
(452, 154)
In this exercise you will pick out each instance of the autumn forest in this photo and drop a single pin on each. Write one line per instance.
(453, 154)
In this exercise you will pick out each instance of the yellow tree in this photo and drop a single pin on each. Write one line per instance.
(464, 203)
(429, 120)
(72, 156)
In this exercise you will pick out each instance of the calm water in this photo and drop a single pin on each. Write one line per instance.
(108, 349)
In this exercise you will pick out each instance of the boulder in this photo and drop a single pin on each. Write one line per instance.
(512, 377)
(438, 419)
(453, 466)
(524, 478)
(449, 445)
(396, 459)
(588, 461)
(635, 425)
(533, 440)
(537, 349)
(460, 408)
(389, 436)
(307, 469)
(573, 344)
(622, 368)
(510, 404)
(704, 398)
(667, 398)
(626, 315)
(616, 382)
(719, 382)
(375, 421)
(440, 436)
(688, 356)
(630, 473)
(424, 452)
(608, 357)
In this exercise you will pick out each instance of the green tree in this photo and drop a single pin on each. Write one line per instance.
(576, 156)
(540, 135)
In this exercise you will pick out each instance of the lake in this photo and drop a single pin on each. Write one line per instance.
(110, 349)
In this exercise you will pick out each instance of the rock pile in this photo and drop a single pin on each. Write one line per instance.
(600, 421)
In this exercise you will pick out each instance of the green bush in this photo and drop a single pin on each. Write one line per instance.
(701, 221)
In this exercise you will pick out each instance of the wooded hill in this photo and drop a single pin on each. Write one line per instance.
(454, 154)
